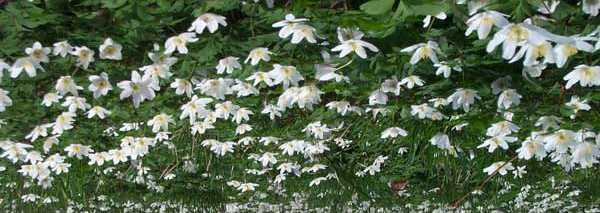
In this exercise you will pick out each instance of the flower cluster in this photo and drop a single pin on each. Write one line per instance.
(222, 108)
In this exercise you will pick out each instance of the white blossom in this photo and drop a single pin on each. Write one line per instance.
(179, 43)
(423, 51)
(139, 89)
(99, 84)
(110, 50)
(208, 21)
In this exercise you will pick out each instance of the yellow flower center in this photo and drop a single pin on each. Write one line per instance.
(426, 52)
(569, 50)
(110, 50)
(135, 87)
(517, 33)
(540, 50)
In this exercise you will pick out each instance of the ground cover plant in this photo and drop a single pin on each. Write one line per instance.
(320, 105)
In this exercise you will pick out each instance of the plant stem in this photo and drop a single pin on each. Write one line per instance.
(457, 203)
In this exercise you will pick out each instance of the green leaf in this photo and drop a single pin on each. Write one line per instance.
(223, 5)
(113, 4)
(429, 8)
(377, 7)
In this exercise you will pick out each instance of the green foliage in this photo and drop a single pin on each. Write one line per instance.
(389, 24)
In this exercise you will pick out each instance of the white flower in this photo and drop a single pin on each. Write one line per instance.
(547, 122)
(99, 84)
(393, 132)
(156, 72)
(422, 111)
(201, 127)
(116, 156)
(272, 110)
(182, 86)
(41, 130)
(179, 43)
(532, 51)
(316, 181)
(26, 63)
(511, 36)
(585, 75)
(423, 51)
(391, 86)
(65, 85)
(444, 69)
(314, 168)
(591, 7)
(287, 25)
(438, 102)
(258, 54)
(560, 141)
(497, 141)
(208, 21)
(228, 65)
(242, 129)
(305, 97)
(77, 150)
(519, 172)
(577, 105)
(441, 140)
(502, 128)
(158, 57)
(410, 81)
(110, 50)
(74, 103)
(378, 97)
(244, 187)
(535, 70)
(244, 89)
(565, 49)
(548, 8)
(160, 122)
(242, 114)
(286, 75)
(428, 20)
(354, 45)
(85, 56)
(318, 130)
(98, 158)
(303, 31)
(139, 89)
(326, 72)
(38, 53)
(532, 146)
(267, 158)
(463, 98)
(219, 148)
(62, 48)
(99, 111)
(484, 21)
(509, 98)
(586, 154)
(194, 108)
(500, 166)
(5, 101)
(294, 146)
(342, 107)
(49, 142)
(63, 122)
(216, 88)
(50, 98)
(459, 127)
(261, 77)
